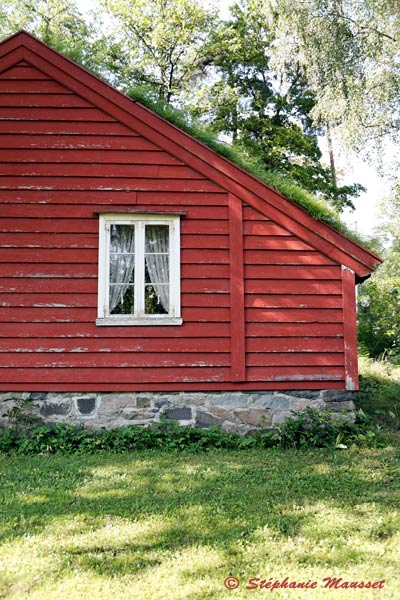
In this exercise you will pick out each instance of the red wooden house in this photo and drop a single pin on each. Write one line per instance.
(136, 263)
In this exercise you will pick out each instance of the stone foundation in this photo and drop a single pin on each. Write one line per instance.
(233, 411)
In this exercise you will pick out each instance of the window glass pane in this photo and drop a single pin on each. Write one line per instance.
(157, 276)
(157, 238)
(122, 269)
(156, 299)
(123, 299)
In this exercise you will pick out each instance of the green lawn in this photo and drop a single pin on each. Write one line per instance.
(174, 526)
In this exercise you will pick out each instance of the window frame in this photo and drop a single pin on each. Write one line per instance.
(140, 221)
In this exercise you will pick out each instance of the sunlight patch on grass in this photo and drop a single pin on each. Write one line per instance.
(174, 526)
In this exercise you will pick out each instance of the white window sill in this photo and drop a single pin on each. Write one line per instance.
(129, 321)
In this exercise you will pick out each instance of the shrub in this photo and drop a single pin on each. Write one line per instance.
(310, 429)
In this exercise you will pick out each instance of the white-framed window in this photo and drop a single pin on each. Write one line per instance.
(139, 270)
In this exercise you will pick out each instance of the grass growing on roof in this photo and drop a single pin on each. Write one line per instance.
(239, 155)
(174, 526)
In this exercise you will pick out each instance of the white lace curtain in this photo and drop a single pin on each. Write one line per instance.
(157, 261)
(122, 262)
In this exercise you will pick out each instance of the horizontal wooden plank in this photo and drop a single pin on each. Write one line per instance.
(294, 315)
(64, 127)
(67, 299)
(86, 300)
(285, 257)
(128, 141)
(206, 314)
(295, 359)
(48, 240)
(122, 375)
(43, 100)
(86, 211)
(39, 285)
(292, 301)
(9, 86)
(204, 256)
(82, 331)
(264, 228)
(205, 271)
(271, 242)
(106, 184)
(205, 300)
(108, 345)
(292, 286)
(204, 242)
(28, 113)
(177, 199)
(291, 272)
(23, 72)
(49, 271)
(174, 200)
(269, 345)
(210, 286)
(305, 373)
(40, 255)
(169, 387)
(89, 285)
(210, 227)
(264, 330)
(81, 157)
(88, 315)
(122, 360)
(250, 214)
(97, 170)
(44, 315)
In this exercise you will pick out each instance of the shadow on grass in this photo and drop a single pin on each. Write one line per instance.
(181, 500)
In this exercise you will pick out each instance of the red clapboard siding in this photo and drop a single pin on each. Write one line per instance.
(103, 184)
(130, 141)
(61, 159)
(79, 345)
(292, 344)
(123, 375)
(323, 330)
(295, 359)
(167, 387)
(93, 360)
(76, 156)
(89, 330)
(293, 300)
(23, 113)
(271, 242)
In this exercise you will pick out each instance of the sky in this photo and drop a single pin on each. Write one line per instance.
(351, 168)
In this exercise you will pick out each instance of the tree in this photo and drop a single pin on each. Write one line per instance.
(379, 298)
(267, 112)
(58, 23)
(349, 51)
(161, 43)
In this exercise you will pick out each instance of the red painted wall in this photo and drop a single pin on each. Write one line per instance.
(61, 159)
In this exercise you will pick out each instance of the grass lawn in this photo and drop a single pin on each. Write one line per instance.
(174, 526)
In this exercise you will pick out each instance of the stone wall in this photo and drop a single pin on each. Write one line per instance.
(234, 411)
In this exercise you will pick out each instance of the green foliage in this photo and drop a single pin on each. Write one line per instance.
(322, 429)
(267, 114)
(241, 156)
(311, 429)
(349, 53)
(379, 318)
(58, 23)
(379, 394)
(159, 44)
